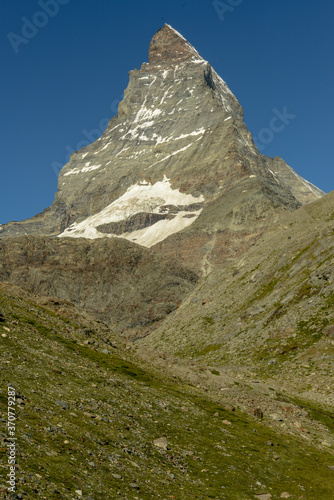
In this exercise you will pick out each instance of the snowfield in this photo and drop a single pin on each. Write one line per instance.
(143, 197)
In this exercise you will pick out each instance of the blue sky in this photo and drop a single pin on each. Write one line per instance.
(62, 80)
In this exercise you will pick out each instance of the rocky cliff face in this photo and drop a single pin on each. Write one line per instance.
(176, 168)
(123, 284)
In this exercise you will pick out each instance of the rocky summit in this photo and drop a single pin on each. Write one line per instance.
(176, 168)
(167, 324)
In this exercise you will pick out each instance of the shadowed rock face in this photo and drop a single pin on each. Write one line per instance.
(138, 221)
(125, 285)
(178, 139)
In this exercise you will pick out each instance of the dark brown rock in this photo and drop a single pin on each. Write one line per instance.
(258, 413)
(168, 47)
(138, 221)
(329, 331)
(119, 281)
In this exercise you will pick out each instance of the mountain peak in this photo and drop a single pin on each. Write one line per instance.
(168, 46)
(176, 168)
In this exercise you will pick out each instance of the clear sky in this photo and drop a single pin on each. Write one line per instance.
(65, 66)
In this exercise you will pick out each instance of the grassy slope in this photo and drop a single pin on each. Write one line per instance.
(85, 415)
(264, 314)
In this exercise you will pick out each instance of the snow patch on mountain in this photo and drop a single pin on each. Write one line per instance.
(87, 168)
(143, 197)
(172, 154)
(159, 231)
(161, 140)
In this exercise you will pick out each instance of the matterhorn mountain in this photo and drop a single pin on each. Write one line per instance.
(176, 169)
(167, 324)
